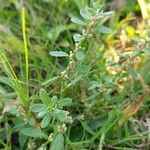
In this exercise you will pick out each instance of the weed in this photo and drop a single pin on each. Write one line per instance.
(74, 76)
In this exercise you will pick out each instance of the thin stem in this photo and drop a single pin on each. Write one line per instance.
(25, 46)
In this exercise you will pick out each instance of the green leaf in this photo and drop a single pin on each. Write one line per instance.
(12, 111)
(61, 115)
(49, 81)
(100, 16)
(83, 69)
(108, 13)
(32, 132)
(22, 140)
(64, 102)
(54, 100)
(38, 107)
(31, 121)
(73, 82)
(58, 54)
(44, 96)
(87, 128)
(78, 37)
(104, 29)
(85, 14)
(18, 127)
(97, 121)
(58, 142)
(95, 6)
(78, 21)
(79, 55)
(46, 120)
(42, 113)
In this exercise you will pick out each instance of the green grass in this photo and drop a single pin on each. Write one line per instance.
(75, 101)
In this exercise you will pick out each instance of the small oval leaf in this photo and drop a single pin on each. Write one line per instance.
(79, 55)
(51, 80)
(58, 142)
(47, 118)
(58, 54)
(42, 114)
(64, 102)
(85, 14)
(60, 115)
(78, 37)
(78, 21)
(108, 13)
(32, 132)
(44, 96)
(37, 107)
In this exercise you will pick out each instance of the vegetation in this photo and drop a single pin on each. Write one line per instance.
(74, 74)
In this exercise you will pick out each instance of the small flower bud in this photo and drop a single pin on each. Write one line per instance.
(62, 128)
(50, 138)
(71, 65)
(91, 24)
(63, 73)
(84, 32)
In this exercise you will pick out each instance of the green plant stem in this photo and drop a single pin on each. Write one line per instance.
(25, 47)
